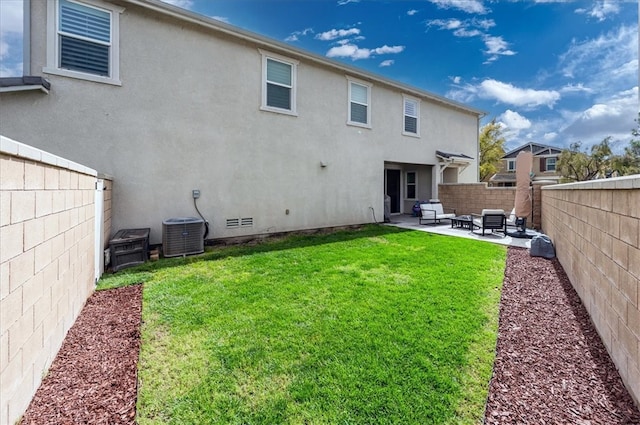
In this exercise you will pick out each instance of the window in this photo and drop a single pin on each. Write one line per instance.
(82, 40)
(511, 165)
(411, 114)
(412, 185)
(359, 100)
(551, 164)
(278, 84)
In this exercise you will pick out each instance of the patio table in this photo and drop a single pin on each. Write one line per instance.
(462, 221)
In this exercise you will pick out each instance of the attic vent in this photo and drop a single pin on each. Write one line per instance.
(182, 236)
(239, 222)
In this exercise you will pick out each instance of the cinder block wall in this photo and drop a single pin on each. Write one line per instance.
(47, 209)
(595, 227)
(468, 198)
(472, 198)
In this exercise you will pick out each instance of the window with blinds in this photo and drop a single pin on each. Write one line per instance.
(411, 116)
(278, 84)
(84, 37)
(359, 111)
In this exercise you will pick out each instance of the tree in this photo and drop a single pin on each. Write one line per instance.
(629, 161)
(491, 149)
(577, 165)
(574, 164)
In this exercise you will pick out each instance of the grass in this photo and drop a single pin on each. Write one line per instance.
(375, 326)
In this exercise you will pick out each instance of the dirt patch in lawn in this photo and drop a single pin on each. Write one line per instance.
(551, 366)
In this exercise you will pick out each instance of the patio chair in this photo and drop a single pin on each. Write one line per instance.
(434, 212)
(490, 220)
(511, 219)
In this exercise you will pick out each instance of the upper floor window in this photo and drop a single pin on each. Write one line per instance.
(511, 165)
(359, 104)
(411, 115)
(82, 40)
(278, 84)
(550, 164)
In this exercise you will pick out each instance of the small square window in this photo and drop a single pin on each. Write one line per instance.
(551, 164)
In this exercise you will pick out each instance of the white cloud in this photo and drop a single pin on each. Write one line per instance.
(575, 88)
(469, 6)
(221, 19)
(332, 34)
(411, 12)
(343, 2)
(184, 4)
(611, 116)
(349, 50)
(456, 80)
(294, 35)
(601, 9)
(496, 47)
(614, 54)
(507, 93)
(386, 63)
(514, 121)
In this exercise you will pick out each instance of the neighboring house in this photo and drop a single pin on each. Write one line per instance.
(543, 167)
(275, 138)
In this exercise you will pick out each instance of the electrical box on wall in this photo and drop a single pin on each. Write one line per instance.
(195, 193)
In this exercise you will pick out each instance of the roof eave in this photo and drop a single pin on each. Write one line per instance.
(195, 18)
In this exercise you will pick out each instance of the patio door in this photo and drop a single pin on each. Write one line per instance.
(392, 188)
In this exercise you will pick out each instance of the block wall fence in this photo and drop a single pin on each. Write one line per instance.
(469, 198)
(595, 227)
(47, 264)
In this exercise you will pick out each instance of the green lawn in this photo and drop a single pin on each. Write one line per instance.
(372, 326)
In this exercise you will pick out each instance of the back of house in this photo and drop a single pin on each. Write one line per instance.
(274, 138)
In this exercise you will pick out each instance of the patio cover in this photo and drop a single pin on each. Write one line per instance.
(448, 159)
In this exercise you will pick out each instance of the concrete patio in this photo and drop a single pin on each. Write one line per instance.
(407, 221)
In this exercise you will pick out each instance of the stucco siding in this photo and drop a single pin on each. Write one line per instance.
(187, 116)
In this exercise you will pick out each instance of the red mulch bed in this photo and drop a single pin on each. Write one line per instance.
(93, 379)
(550, 368)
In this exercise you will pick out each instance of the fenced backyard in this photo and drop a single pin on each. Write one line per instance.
(50, 256)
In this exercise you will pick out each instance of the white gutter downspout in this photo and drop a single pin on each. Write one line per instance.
(26, 37)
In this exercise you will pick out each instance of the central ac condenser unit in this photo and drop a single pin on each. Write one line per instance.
(182, 236)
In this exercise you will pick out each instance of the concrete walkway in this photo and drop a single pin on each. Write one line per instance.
(406, 221)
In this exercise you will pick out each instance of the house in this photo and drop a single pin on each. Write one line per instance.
(273, 137)
(543, 167)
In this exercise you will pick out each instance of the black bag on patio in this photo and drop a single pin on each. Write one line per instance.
(541, 246)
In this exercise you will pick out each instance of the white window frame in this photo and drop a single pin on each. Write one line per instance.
(511, 165)
(406, 99)
(406, 185)
(546, 164)
(294, 78)
(53, 45)
(350, 82)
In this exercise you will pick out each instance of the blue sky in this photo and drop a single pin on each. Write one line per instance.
(552, 72)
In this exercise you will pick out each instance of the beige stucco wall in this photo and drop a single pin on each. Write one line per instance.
(187, 116)
(595, 227)
(46, 264)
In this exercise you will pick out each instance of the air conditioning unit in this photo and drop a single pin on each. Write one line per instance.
(182, 236)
